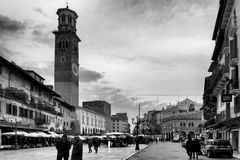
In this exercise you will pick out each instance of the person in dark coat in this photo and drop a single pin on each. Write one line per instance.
(90, 144)
(189, 146)
(96, 144)
(63, 146)
(77, 151)
(196, 148)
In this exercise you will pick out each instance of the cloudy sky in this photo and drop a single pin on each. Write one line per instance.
(152, 52)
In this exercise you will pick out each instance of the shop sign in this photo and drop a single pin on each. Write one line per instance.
(226, 98)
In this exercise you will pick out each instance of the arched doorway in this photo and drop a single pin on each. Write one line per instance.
(192, 134)
(182, 135)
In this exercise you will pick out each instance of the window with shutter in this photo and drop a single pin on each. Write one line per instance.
(235, 78)
(237, 104)
(233, 48)
(14, 110)
(26, 113)
(9, 108)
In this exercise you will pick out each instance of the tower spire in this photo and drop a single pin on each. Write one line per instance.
(67, 4)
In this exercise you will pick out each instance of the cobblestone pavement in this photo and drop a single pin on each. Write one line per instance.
(168, 151)
(49, 153)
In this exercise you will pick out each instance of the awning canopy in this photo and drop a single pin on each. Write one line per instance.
(33, 134)
(19, 133)
(53, 134)
(115, 133)
(231, 123)
(42, 134)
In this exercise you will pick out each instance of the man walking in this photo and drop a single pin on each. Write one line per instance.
(63, 146)
(189, 147)
(90, 144)
(96, 144)
(77, 151)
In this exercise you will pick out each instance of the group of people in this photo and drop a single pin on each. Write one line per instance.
(193, 147)
(63, 147)
(95, 142)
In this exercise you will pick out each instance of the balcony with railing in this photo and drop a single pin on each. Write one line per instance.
(221, 117)
(210, 107)
(232, 26)
(48, 108)
(15, 94)
(233, 52)
(40, 121)
(219, 78)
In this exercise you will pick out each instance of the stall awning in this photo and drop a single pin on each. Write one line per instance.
(19, 133)
(53, 134)
(34, 134)
(42, 134)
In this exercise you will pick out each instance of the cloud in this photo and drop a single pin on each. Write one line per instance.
(7, 53)
(10, 26)
(43, 35)
(89, 75)
(43, 68)
(39, 10)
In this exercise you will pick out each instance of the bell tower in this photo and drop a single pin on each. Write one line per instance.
(66, 66)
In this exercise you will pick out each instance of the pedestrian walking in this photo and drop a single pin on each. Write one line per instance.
(90, 144)
(77, 151)
(189, 146)
(63, 146)
(196, 148)
(96, 144)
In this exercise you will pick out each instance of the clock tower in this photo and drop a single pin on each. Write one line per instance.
(66, 67)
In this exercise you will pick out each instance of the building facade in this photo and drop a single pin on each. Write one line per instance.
(120, 123)
(101, 107)
(92, 123)
(221, 115)
(70, 124)
(25, 102)
(180, 125)
(66, 68)
(182, 119)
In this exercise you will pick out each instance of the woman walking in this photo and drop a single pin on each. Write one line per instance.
(196, 148)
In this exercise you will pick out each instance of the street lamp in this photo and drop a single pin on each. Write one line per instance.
(137, 126)
(16, 143)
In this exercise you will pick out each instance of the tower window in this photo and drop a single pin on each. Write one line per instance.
(62, 44)
(59, 45)
(63, 18)
(66, 44)
(62, 59)
(69, 19)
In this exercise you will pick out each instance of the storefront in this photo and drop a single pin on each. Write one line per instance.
(230, 130)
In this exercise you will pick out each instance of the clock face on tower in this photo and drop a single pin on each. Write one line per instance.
(75, 69)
